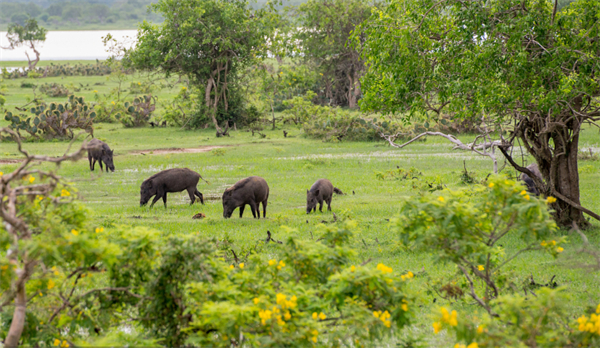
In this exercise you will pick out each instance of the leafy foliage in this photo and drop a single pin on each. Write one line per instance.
(501, 58)
(542, 322)
(30, 34)
(467, 231)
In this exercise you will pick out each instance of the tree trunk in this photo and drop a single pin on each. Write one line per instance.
(18, 321)
(211, 110)
(273, 113)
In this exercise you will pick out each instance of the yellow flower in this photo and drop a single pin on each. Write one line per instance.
(526, 197)
(315, 315)
(287, 316)
(75, 233)
(64, 344)
(99, 229)
(242, 265)
(437, 327)
(479, 329)
(553, 242)
(491, 184)
(523, 193)
(544, 243)
(231, 266)
(409, 274)
(51, 284)
(139, 83)
(441, 199)
(458, 345)
(598, 309)
(473, 345)
(550, 199)
(56, 342)
(113, 103)
(95, 91)
(314, 339)
(481, 268)
(352, 269)
(272, 262)
(384, 269)
(559, 249)
(322, 316)
(64, 193)
(256, 300)
(404, 307)
(1, 173)
(31, 179)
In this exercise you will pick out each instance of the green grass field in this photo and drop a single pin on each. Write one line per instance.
(290, 166)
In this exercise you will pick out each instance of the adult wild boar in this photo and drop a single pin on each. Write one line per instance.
(529, 181)
(321, 190)
(253, 191)
(170, 180)
(99, 151)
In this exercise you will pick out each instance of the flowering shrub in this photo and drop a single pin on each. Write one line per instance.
(467, 231)
(312, 296)
(524, 322)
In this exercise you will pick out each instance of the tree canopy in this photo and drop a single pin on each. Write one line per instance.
(209, 41)
(29, 34)
(525, 65)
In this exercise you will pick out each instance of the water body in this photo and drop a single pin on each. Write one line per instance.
(69, 45)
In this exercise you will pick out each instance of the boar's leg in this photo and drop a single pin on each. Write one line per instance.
(199, 194)
(156, 198)
(242, 210)
(328, 204)
(159, 194)
(254, 209)
(100, 164)
(192, 193)
(321, 205)
(264, 203)
(165, 199)
(90, 159)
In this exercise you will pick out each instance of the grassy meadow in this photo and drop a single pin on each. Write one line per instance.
(290, 166)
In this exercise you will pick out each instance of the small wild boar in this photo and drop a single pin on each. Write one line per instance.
(170, 180)
(252, 191)
(321, 190)
(529, 181)
(99, 151)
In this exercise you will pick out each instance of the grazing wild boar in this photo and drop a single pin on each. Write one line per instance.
(252, 191)
(321, 190)
(99, 151)
(170, 180)
(529, 182)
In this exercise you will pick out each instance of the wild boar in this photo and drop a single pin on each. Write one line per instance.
(253, 191)
(321, 190)
(529, 181)
(170, 180)
(99, 151)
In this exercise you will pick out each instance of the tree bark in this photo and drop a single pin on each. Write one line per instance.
(18, 321)
(212, 110)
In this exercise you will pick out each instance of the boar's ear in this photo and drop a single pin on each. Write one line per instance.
(149, 183)
(316, 192)
(307, 191)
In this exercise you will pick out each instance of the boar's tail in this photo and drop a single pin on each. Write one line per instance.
(338, 191)
(208, 183)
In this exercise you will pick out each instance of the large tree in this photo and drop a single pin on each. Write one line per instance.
(323, 28)
(208, 40)
(522, 63)
(30, 34)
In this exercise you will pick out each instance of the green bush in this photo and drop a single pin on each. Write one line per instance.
(542, 320)
(138, 112)
(466, 228)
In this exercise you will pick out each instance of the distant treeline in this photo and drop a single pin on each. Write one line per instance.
(53, 14)
(87, 14)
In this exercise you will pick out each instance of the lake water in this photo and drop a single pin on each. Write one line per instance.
(68, 45)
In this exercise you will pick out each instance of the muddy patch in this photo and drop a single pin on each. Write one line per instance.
(177, 150)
